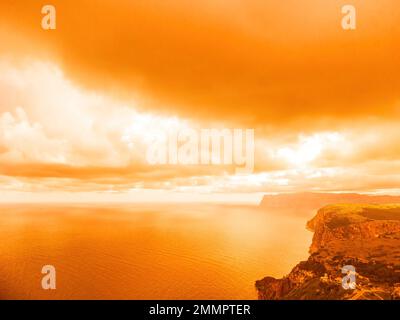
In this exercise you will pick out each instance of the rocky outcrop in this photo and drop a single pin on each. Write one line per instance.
(316, 200)
(364, 236)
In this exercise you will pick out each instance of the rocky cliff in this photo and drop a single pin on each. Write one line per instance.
(316, 200)
(364, 236)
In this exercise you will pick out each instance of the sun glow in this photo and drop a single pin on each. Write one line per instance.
(309, 148)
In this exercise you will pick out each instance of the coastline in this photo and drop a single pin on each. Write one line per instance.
(364, 236)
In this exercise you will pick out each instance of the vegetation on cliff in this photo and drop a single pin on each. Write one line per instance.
(364, 236)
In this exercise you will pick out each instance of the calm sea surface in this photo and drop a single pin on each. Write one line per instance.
(191, 251)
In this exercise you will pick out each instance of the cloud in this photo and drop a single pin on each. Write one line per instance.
(47, 119)
(78, 105)
(251, 62)
(24, 141)
(55, 135)
(60, 136)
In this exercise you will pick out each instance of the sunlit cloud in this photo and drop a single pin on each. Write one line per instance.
(75, 117)
(309, 148)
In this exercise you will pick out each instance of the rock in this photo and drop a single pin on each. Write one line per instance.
(364, 236)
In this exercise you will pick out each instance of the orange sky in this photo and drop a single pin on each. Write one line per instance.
(324, 102)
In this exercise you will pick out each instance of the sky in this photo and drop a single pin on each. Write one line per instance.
(79, 104)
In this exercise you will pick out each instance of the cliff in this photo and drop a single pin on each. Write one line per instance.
(364, 236)
(316, 200)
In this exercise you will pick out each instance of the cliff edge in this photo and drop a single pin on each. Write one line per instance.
(364, 236)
